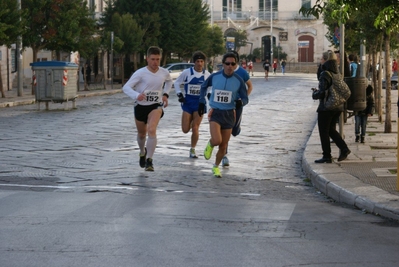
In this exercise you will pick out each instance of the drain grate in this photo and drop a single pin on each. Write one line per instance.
(367, 174)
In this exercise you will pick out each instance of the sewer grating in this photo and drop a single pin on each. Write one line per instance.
(373, 173)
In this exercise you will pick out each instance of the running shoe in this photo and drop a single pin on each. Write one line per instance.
(216, 172)
(142, 158)
(225, 162)
(208, 151)
(148, 165)
(192, 153)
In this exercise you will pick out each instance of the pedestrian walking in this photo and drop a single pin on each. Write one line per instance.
(228, 93)
(192, 78)
(244, 64)
(282, 64)
(87, 69)
(394, 68)
(362, 116)
(274, 67)
(251, 68)
(237, 125)
(327, 119)
(266, 67)
(149, 87)
(354, 66)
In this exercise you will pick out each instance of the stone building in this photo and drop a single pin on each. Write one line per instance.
(276, 23)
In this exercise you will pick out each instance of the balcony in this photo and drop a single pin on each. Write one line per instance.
(261, 15)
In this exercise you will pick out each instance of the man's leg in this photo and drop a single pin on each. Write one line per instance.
(196, 121)
(141, 138)
(152, 124)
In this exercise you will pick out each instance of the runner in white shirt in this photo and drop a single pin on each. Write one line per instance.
(149, 87)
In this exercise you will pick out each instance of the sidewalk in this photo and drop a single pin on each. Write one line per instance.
(366, 180)
(12, 98)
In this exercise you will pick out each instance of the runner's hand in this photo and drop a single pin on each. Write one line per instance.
(181, 98)
(201, 109)
(238, 104)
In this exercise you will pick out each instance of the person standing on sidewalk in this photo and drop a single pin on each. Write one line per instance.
(362, 116)
(228, 93)
(192, 78)
(237, 126)
(326, 119)
(149, 87)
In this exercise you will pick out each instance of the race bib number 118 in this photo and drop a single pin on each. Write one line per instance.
(222, 96)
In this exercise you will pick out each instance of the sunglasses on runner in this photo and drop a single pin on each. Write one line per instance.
(230, 63)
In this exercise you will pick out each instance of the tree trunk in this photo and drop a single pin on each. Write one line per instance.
(3, 94)
(34, 52)
(388, 70)
(379, 75)
(123, 69)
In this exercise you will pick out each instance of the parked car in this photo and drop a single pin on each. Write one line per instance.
(175, 69)
(394, 83)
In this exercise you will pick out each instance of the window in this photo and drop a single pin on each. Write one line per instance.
(264, 5)
(232, 7)
(306, 3)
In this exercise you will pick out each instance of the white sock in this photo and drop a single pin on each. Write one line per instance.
(141, 143)
(151, 144)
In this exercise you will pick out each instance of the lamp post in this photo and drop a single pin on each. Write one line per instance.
(271, 31)
(19, 60)
(112, 60)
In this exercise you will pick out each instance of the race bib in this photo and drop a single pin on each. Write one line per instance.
(193, 89)
(222, 96)
(153, 96)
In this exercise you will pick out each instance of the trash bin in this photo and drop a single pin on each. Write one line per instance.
(55, 81)
(357, 100)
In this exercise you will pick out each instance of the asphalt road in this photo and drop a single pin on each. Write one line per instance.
(72, 193)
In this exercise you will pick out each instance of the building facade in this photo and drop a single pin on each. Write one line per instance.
(271, 23)
(268, 23)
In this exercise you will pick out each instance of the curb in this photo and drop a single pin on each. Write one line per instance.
(32, 100)
(336, 183)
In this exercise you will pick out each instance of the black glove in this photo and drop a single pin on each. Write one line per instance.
(208, 96)
(238, 104)
(181, 98)
(201, 109)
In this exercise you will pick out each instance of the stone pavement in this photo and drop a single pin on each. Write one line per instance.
(366, 180)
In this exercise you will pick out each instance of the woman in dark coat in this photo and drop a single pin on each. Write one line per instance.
(326, 119)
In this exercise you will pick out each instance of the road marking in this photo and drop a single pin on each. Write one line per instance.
(103, 187)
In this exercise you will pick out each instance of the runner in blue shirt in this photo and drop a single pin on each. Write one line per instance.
(237, 126)
(228, 93)
(192, 79)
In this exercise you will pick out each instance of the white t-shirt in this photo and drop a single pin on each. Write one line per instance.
(154, 85)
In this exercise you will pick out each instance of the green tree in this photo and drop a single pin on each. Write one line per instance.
(10, 27)
(240, 37)
(184, 23)
(124, 25)
(386, 20)
(58, 25)
(215, 45)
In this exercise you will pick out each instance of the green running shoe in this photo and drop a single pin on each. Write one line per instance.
(216, 172)
(208, 151)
